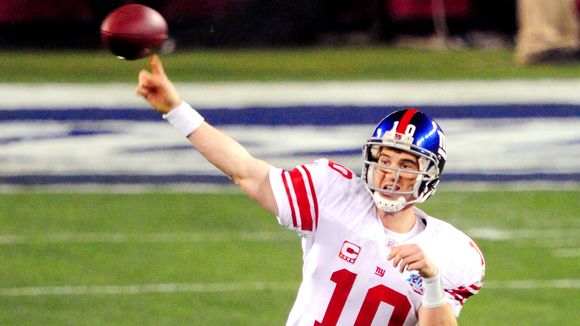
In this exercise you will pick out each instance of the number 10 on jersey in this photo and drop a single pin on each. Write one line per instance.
(344, 280)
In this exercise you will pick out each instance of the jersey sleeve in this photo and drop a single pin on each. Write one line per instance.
(311, 196)
(464, 277)
(296, 197)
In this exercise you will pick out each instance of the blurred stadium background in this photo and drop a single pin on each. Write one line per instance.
(259, 22)
(108, 217)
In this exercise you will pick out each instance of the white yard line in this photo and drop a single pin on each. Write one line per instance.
(533, 284)
(148, 288)
(243, 94)
(564, 242)
(204, 188)
(215, 236)
(240, 287)
(496, 234)
(463, 186)
(491, 234)
(567, 252)
(515, 186)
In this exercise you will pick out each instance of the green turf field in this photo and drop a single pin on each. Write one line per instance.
(364, 63)
(203, 259)
(233, 265)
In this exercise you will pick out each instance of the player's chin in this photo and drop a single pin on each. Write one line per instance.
(390, 195)
(387, 194)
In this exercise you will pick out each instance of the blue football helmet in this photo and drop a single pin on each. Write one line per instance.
(414, 132)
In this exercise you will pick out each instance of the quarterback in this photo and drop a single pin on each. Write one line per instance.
(370, 256)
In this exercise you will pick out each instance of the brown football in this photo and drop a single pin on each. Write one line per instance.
(134, 31)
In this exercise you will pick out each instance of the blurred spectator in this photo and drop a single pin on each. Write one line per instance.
(548, 32)
(492, 24)
(46, 23)
(441, 18)
(448, 24)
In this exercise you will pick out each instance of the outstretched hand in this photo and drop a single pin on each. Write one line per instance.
(156, 88)
(412, 257)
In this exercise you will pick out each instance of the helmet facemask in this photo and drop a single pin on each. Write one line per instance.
(426, 178)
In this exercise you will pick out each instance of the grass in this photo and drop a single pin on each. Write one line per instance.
(349, 63)
(550, 219)
(40, 263)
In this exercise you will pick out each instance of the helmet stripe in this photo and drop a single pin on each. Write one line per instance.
(402, 127)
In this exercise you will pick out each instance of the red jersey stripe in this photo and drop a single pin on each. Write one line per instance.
(474, 287)
(312, 194)
(455, 296)
(402, 127)
(462, 293)
(290, 201)
(302, 199)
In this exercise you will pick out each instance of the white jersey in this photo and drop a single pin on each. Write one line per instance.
(347, 279)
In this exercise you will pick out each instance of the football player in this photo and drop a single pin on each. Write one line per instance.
(370, 256)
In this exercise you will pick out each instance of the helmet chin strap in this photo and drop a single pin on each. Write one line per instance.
(389, 205)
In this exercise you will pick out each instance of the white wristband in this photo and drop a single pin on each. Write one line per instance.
(184, 118)
(433, 294)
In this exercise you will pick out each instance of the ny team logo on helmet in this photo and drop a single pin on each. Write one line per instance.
(414, 132)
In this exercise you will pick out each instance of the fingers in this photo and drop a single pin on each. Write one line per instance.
(156, 66)
(149, 81)
(144, 78)
(412, 262)
(156, 88)
(142, 92)
(407, 261)
(409, 257)
(145, 83)
(144, 75)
